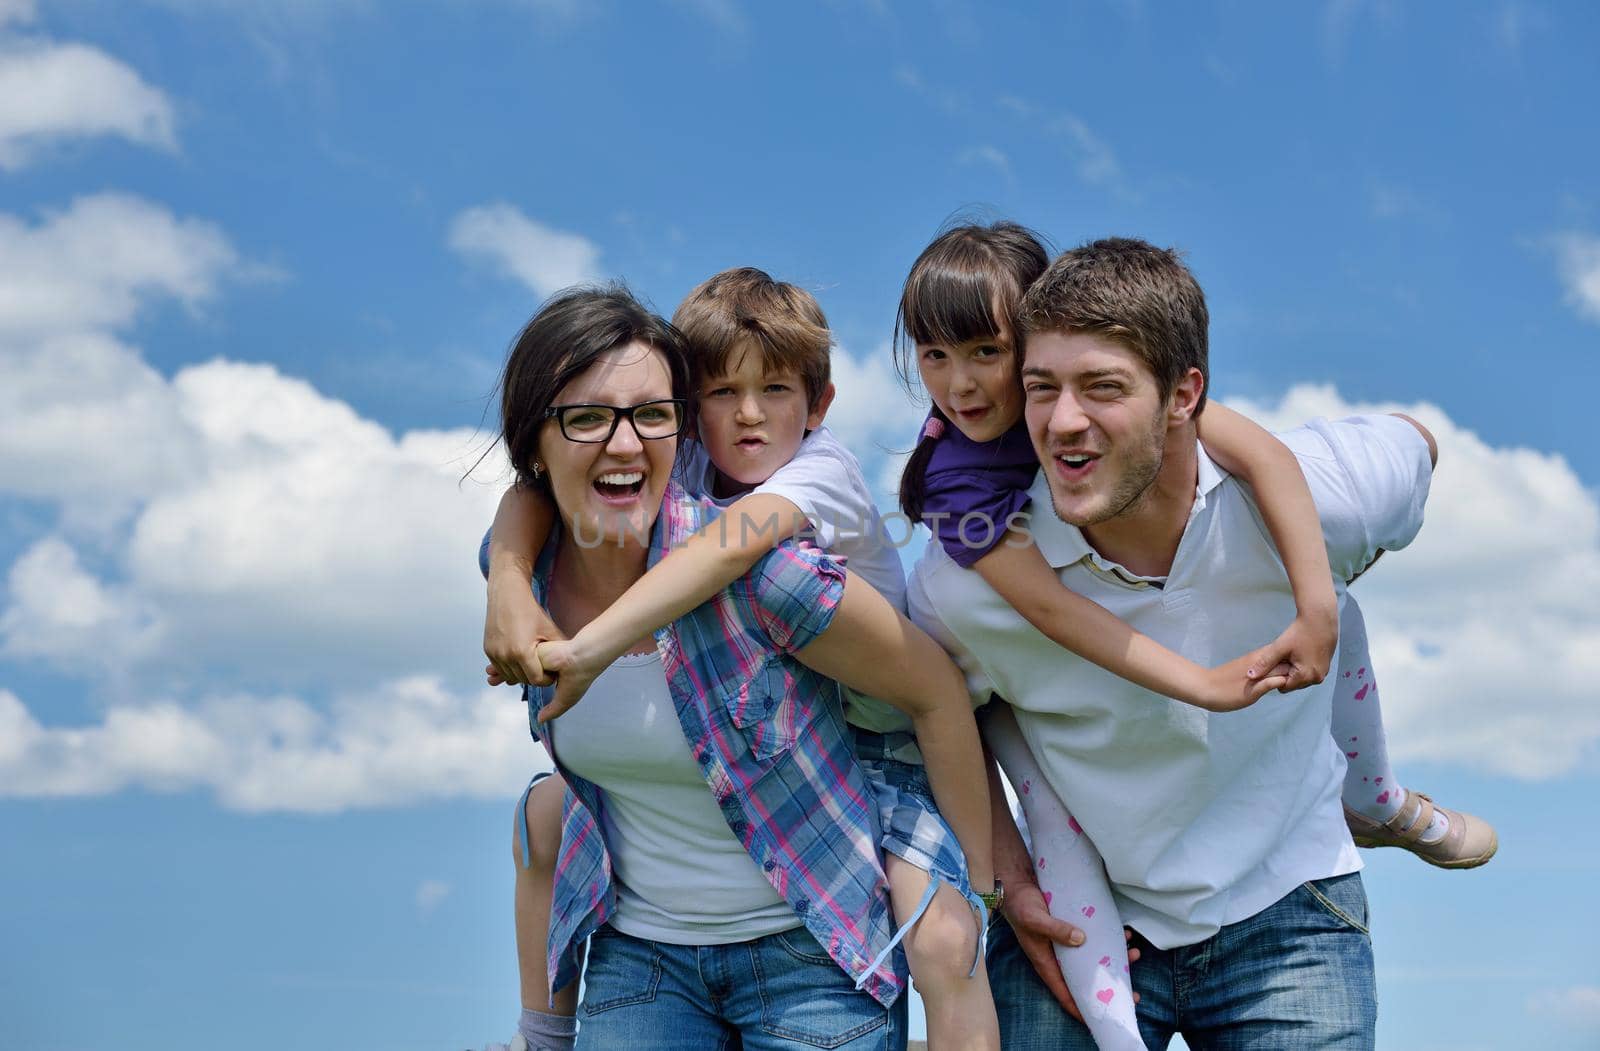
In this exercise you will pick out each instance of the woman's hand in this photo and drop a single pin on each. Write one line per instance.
(512, 630)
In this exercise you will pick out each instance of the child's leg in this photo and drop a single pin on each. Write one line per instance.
(941, 947)
(1378, 809)
(534, 847)
(1370, 787)
(940, 933)
(1073, 879)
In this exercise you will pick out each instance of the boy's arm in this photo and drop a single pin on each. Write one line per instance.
(1021, 576)
(515, 624)
(871, 647)
(720, 553)
(1243, 448)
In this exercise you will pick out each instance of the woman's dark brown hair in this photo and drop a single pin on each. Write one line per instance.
(569, 333)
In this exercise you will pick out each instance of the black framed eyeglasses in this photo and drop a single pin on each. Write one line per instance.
(595, 424)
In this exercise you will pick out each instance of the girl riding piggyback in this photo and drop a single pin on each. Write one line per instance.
(968, 481)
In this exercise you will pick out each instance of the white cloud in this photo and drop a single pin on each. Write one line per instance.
(402, 742)
(90, 267)
(875, 416)
(725, 15)
(299, 539)
(52, 92)
(1485, 634)
(83, 419)
(1578, 261)
(60, 612)
(545, 260)
(991, 156)
(1578, 1005)
(430, 892)
(19, 11)
(242, 516)
(1095, 160)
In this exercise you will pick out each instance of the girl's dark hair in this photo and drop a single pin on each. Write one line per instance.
(966, 285)
(568, 334)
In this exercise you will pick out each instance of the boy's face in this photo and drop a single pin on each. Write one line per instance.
(751, 421)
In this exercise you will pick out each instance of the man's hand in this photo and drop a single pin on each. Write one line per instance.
(512, 631)
(1038, 933)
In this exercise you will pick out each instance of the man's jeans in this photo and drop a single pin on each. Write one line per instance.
(777, 992)
(1297, 975)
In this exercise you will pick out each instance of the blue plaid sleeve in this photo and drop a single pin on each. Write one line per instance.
(794, 591)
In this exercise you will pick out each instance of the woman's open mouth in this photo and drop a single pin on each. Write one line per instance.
(619, 487)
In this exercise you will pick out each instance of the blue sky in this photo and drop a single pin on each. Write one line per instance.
(260, 261)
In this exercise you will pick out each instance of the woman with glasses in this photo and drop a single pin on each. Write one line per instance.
(719, 844)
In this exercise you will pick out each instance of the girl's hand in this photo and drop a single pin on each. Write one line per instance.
(1306, 648)
(1227, 687)
(574, 670)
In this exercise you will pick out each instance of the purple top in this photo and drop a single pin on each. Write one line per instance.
(973, 489)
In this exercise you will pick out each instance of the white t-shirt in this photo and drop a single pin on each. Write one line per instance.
(1203, 819)
(825, 482)
(681, 876)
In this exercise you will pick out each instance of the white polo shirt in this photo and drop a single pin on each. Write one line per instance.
(1203, 819)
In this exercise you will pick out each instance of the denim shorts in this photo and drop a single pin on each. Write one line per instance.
(913, 830)
(912, 826)
(1296, 976)
(778, 993)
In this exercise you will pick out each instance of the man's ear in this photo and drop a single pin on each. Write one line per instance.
(1185, 396)
(820, 409)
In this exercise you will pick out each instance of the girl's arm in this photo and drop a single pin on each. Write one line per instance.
(1245, 449)
(515, 624)
(870, 647)
(1020, 575)
(720, 553)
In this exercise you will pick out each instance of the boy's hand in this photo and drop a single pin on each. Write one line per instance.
(574, 670)
(1306, 648)
(512, 631)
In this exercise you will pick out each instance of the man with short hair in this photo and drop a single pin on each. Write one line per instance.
(1222, 834)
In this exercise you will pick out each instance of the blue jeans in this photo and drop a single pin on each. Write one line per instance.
(1297, 975)
(777, 992)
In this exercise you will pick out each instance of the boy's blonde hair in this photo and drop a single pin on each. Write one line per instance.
(729, 311)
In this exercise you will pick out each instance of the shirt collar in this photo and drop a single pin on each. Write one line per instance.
(1063, 545)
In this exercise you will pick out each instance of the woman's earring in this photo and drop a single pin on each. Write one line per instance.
(537, 468)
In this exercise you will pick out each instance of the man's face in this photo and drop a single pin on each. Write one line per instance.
(751, 421)
(1098, 423)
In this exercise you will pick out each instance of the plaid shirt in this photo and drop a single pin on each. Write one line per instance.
(770, 736)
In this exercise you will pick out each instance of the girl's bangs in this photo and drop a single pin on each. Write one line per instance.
(947, 306)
